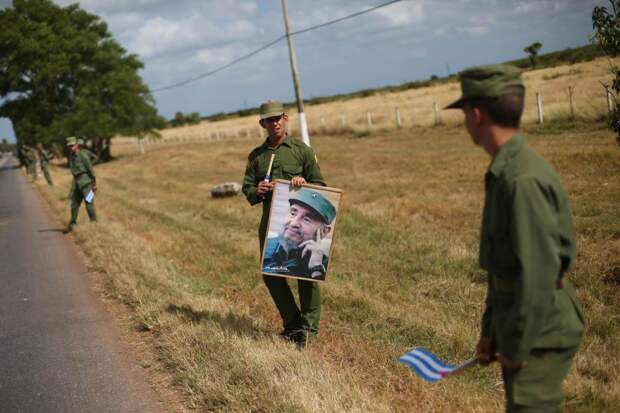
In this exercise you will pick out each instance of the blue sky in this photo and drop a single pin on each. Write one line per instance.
(407, 41)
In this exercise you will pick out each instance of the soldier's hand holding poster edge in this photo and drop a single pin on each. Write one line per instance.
(300, 234)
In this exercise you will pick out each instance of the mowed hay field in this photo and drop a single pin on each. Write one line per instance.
(416, 106)
(404, 272)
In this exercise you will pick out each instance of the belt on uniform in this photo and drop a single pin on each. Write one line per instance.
(506, 285)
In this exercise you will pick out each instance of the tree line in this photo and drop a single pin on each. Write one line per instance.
(62, 74)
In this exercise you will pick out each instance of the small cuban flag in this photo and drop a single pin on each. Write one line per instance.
(429, 367)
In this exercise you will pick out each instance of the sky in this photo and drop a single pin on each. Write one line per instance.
(410, 40)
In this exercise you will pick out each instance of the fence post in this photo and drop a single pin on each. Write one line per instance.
(610, 100)
(141, 145)
(322, 122)
(540, 108)
(369, 117)
(436, 111)
(570, 101)
(343, 120)
(398, 123)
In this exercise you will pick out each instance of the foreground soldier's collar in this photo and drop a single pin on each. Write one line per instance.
(506, 152)
(287, 141)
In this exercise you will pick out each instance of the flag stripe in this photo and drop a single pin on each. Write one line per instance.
(420, 368)
(432, 361)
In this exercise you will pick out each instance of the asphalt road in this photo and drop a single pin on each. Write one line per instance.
(60, 351)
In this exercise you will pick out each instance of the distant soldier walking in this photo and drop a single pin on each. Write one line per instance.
(294, 161)
(30, 155)
(44, 159)
(84, 183)
(91, 155)
(532, 324)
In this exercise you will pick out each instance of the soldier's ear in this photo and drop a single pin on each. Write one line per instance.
(262, 123)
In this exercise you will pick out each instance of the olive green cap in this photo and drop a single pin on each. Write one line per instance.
(271, 108)
(315, 201)
(71, 140)
(489, 82)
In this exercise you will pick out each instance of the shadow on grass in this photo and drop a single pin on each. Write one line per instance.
(240, 325)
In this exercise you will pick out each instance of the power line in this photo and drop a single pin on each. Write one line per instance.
(268, 45)
(359, 13)
(237, 60)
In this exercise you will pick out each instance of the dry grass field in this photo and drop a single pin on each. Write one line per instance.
(404, 272)
(416, 106)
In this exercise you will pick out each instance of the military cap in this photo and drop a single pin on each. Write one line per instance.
(80, 141)
(71, 140)
(271, 108)
(489, 82)
(315, 201)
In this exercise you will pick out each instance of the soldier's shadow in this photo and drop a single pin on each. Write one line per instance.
(51, 230)
(241, 325)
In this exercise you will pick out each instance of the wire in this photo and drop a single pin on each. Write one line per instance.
(359, 13)
(237, 60)
(268, 45)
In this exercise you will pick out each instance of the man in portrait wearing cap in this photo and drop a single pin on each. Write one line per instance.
(294, 161)
(84, 183)
(301, 249)
(532, 324)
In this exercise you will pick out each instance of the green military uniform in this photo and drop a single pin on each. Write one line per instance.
(87, 151)
(292, 158)
(44, 157)
(31, 161)
(527, 244)
(83, 182)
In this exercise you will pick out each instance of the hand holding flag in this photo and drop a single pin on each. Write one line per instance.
(429, 367)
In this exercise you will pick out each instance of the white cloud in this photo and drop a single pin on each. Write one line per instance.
(402, 14)
(160, 35)
(527, 7)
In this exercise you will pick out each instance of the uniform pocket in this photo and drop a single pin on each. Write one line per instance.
(291, 170)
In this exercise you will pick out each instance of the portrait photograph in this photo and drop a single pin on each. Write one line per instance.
(300, 235)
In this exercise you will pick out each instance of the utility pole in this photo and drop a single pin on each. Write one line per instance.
(303, 125)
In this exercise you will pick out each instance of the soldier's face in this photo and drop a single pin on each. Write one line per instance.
(301, 224)
(73, 148)
(275, 125)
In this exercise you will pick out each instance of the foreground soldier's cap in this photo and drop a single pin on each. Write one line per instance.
(489, 82)
(71, 140)
(315, 201)
(271, 108)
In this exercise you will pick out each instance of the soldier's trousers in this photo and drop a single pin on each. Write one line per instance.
(46, 172)
(77, 196)
(537, 387)
(307, 315)
(31, 168)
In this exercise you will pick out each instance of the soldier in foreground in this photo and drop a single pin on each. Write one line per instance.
(84, 184)
(532, 324)
(45, 156)
(294, 161)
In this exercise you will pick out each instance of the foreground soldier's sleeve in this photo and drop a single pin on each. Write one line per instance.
(487, 316)
(249, 183)
(534, 237)
(312, 171)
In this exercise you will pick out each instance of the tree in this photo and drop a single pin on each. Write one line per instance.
(532, 51)
(607, 26)
(62, 74)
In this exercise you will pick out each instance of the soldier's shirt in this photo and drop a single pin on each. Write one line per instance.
(82, 169)
(527, 243)
(292, 158)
